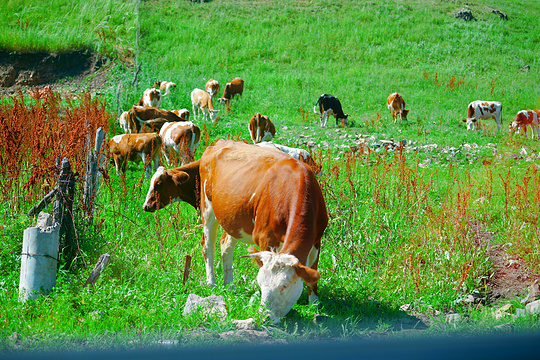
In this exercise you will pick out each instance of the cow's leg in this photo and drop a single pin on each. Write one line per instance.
(210, 236)
(194, 114)
(117, 165)
(228, 244)
(324, 118)
(147, 167)
(313, 262)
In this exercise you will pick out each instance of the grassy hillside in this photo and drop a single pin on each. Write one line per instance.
(404, 226)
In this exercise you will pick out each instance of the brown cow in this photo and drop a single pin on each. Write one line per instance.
(261, 128)
(396, 105)
(135, 147)
(235, 87)
(258, 196)
(182, 137)
(149, 119)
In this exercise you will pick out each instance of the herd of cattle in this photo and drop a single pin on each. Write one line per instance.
(265, 195)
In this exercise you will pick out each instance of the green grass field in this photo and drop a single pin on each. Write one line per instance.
(399, 233)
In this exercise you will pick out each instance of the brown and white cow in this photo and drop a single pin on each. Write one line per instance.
(233, 88)
(261, 128)
(150, 97)
(182, 113)
(149, 119)
(181, 137)
(124, 122)
(165, 87)
(478, 110)
(212, 88)
(202, 102)
(299, 154)
(396, 105)
(135, 147)
(258, 196)
(526, 118)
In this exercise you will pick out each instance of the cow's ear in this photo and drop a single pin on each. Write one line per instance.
(309, 275)
(180, 178)
(254, 254)
(464, 120)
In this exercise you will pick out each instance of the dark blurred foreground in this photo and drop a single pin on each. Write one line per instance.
(525, 346)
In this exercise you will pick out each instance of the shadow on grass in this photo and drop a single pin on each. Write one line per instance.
(343, 313)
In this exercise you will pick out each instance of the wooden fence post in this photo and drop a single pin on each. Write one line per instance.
(91, 184)
(63, 210)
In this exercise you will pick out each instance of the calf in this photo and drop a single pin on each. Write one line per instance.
(258, 196)
(135, 147)
(299, 154)
(478, 110)
(212, 88)
(396, 105)
(235, 87)
(149, 119)
(202, 101)
(181, 137)
(182, 113)
(261, 128)
(330, 105)
(165, 86)
(151, 97)
(526, 118)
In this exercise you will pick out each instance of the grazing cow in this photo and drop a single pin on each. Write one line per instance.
(330, 105)
(202, 101)
(212, 87)
(396, 105)
(135, 147)
(258, 196)
(151, 97)
(182, 137)
(165, 86)
(299, 154)
(526, 118)
(182, 113)
(149, 119)
(124, 122)
(235, 87)
(478, 110)
(261, 128)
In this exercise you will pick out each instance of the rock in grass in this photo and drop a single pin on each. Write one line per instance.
(211, 305)
(534, 293)
(248, 324)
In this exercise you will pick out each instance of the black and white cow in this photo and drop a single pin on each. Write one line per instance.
(330, 105)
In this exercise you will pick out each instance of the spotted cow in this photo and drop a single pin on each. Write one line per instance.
(149, 119)
(182, 138)
(526, 118)
(150, 97)
(202, 102)
(261, 128)
(233, 88)
(135, 147)
(479, 110)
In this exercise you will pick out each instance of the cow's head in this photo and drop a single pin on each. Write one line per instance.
(280, 278)
(222, 101)
(404, 114)
(343, 121)
(471, 123)
(167, 186)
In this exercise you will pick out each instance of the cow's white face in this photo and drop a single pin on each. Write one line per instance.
(471, 123)
(280, 285)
